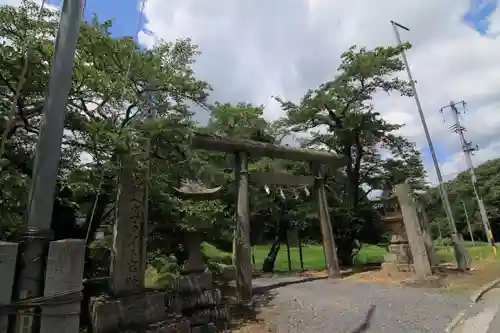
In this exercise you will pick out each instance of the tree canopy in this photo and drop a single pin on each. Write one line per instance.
(107, 121)
(460, 193)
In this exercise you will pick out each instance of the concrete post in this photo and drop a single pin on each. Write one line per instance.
(8, 260)
(426, 234)
(412, 224)
(64, 274)
(128, 261)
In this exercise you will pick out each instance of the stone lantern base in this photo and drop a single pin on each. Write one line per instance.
(399, 257)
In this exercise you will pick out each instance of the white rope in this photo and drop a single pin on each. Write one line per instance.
(266, 188)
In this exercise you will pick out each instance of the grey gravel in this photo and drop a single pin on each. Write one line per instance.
(339, 306)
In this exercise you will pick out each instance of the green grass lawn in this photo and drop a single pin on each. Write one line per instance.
(314, 258)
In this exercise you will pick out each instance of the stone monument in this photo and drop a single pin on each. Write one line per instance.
(399, 257)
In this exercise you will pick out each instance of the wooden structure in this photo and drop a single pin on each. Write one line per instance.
(242, 149)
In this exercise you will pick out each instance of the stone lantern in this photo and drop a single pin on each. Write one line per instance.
(195, 294)
(195, 191)
(399, 257)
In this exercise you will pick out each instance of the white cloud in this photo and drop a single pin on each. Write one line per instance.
(255, 49)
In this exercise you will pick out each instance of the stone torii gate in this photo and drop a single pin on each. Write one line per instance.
(128, 255)
(242, 149)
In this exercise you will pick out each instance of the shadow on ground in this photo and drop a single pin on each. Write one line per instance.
(251, 317)
(256, 315)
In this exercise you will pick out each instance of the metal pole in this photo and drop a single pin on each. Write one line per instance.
(48, 153)
(467, 149)
(468, 223)
(459, 250)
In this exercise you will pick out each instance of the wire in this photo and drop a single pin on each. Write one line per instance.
(71, 296)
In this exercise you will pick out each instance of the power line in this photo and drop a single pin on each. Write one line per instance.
(468, 149)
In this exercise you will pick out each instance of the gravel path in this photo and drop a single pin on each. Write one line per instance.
(484, 316)
(327, 306)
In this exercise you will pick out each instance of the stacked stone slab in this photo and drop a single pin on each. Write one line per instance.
(195, 298)
(399, 256)
(193, 293)
(411, 246)
(190, 305)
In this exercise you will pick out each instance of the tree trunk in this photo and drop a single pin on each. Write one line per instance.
(268, 265)
(345, 248)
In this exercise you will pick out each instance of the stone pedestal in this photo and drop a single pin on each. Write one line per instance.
(399, 257)
(195, 297)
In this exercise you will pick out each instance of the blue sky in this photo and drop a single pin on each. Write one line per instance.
(478, 16)
(126, 14)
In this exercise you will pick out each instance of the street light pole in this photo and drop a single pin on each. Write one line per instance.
(459, 250)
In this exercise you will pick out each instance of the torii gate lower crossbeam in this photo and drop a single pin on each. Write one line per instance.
(242, 149)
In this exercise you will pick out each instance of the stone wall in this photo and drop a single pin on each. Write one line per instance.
(190, 305)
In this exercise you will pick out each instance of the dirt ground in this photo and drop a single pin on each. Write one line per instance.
(446, 279)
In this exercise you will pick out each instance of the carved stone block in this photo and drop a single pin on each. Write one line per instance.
(180, 326)
(177, 303)
(108, 314)
(195, 262)
(193, 283)
(206, 316)
(128, 253)
(209, 328)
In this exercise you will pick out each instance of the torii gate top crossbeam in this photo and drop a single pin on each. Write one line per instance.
(261, 149)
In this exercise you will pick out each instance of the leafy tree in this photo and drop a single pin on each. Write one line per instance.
(342, 119)
(104, 119)
(460, 190)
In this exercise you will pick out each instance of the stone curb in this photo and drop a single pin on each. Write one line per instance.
(483, 290)
(456, 321)
(476, 296)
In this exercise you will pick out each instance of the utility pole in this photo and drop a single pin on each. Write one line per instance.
(468, 149)
(48, 153)
(458, 248)
(468, 223)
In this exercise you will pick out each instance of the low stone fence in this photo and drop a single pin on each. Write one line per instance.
(191, 305)
(58, 309)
